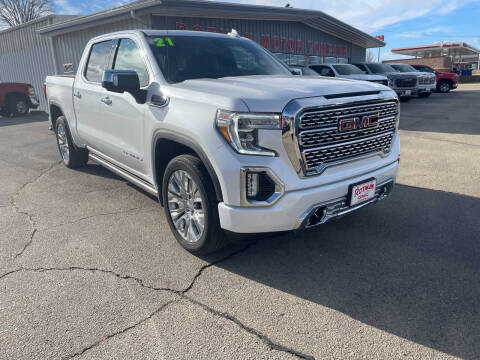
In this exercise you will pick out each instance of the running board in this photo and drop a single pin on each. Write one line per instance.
(124, 174)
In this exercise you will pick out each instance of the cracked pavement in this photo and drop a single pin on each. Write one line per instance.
(90, 270)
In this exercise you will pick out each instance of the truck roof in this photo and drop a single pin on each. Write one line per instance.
(149, 32)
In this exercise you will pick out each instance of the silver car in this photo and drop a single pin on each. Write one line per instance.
(347, 71)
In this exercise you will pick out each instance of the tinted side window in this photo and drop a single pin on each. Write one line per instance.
(324, 70)
(129, 57)
(97, 60)
(361, 67)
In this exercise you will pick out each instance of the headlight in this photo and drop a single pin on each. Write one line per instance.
(390, 82)
(241, 130)
(31, 91)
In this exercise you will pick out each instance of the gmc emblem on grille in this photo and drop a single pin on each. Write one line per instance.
(358, 122)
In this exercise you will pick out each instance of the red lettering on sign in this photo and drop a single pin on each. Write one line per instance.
(180, 26)
(299, 46)
(291, 45)
(316, 48)
(211, 29)
(275, 43)
(266, 41)
(197, 27)
(284, 43)
(249, 35)
(309, 47)
(324, 48)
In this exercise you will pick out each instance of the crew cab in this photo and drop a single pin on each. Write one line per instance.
(347, 71)
(223, 134)
(445, 81)
(405, 85)
(17, 99)
(426, 81)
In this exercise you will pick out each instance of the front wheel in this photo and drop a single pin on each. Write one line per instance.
(19, 106)
(191, 206)
(72, 156)
(444, 86)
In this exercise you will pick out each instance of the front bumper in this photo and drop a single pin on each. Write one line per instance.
(427, 88)
(292, 210)
(406, 92)
(34, 103)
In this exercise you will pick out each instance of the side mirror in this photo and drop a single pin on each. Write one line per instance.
(296, 72)
(121, 81)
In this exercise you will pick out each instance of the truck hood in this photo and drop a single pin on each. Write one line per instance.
(365, 77)
(272, 93)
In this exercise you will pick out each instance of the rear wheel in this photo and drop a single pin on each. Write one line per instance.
(18, 105)
(191, 206)
(72, 156)
(444, 86)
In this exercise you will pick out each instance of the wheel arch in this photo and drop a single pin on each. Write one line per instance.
(55, 112)
(166, 145)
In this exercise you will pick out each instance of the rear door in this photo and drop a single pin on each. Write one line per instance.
(123, 116)
(88, 93)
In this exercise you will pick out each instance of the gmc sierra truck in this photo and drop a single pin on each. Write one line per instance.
(223, 133)
(17, 99)
(426, 81)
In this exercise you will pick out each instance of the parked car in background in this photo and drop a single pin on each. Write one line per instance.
(347, 71)
(224, 134)
(445, 81)
(17, 99)
(405, 85)
(426, 81)
(302, 70)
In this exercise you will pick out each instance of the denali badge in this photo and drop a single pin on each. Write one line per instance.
(358, 122)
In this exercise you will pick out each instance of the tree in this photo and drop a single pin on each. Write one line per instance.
(16, 12)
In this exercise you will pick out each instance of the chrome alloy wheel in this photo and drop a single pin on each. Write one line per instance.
(63, 143)
(186, 206)
(444, 87)
(21, 107)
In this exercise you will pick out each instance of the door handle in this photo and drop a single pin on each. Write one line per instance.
(77, 94)
(106, 100)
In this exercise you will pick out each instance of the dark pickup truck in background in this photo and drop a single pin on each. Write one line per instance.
(445, 81)
(17, 99)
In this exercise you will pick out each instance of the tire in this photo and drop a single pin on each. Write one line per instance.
(189, 196)
(444, 86)
(72, 156)
(5, 112)
(405, 98)
(424, 95)
(18, 105)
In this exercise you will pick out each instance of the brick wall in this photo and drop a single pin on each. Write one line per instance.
(439, 63)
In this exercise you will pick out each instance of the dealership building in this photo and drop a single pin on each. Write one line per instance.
(54, 44)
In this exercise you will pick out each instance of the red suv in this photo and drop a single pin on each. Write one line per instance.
(445, 81)
(17, 99)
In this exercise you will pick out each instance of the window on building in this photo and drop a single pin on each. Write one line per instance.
(98, 60)
(129, 57)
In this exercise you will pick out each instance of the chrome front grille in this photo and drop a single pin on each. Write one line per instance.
(321, 118)
(321, 143)
(409, 82)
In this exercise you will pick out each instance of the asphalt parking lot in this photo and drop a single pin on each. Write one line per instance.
(90, 270)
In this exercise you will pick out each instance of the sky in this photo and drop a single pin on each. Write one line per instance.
(402, 22)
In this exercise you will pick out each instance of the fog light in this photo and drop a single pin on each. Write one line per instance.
(252, 185)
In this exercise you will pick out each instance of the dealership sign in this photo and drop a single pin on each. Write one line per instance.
(278, 43)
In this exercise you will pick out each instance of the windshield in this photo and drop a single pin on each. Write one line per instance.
(195, 57)
(347, 69)
(380, 68)
(403, 67)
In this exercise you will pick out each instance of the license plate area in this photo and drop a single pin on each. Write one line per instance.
(361, 192)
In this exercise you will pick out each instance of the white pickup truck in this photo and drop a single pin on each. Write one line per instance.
(223, 133)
